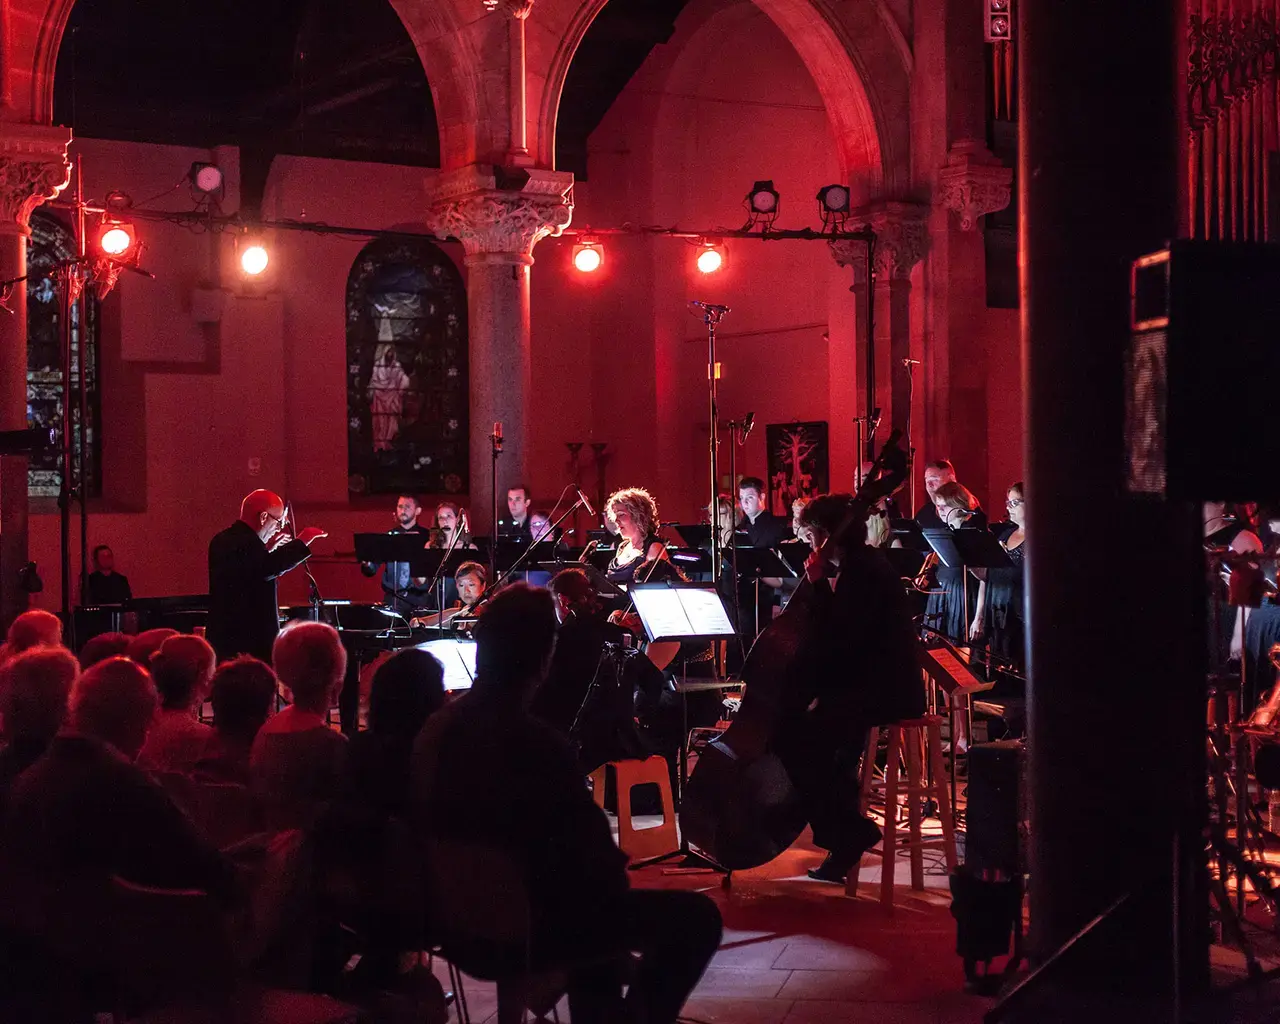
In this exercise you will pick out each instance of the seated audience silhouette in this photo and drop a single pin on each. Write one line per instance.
(297, 762)
(34, 628)
(102, 647)
(486, 772)
(242, 693)
(34, 688)
(85, 812)
(143, 647)
(181, 670)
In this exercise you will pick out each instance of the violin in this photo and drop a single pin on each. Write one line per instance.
(740, 807)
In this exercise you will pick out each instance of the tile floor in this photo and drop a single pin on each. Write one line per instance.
(799, 952)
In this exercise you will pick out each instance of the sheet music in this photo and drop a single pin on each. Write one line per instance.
(662, 613)
(458, 657)
(706, 613)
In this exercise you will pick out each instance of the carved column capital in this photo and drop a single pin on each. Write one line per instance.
(850, 252)
(516, 8)
(33, 169)
(973, 183)
(902, 237)
(497, 212)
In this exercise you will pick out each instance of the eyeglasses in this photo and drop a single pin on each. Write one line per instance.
(1012, 502)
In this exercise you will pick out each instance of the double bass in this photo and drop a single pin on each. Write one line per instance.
(740, 807)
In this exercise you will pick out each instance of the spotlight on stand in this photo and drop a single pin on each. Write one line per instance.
(763, 203)
(116, 238)
(253, 258)
(206, 177)
(833, 205)
(588, 256)
(710, 257)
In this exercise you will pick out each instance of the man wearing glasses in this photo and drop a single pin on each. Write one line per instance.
(245, 560)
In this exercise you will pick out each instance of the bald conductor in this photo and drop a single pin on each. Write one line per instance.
(245, 560)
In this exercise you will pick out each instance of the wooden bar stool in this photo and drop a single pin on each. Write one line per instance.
(914, 740)
(640, 843)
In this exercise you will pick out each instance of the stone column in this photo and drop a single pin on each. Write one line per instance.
(852, 253)
(498, 228)
(901, 240)
(33, 169)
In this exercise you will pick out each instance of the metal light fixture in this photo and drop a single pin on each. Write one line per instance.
(763, 203)
(206, 177)
(588, 256)
(710, 258)
(833, 205)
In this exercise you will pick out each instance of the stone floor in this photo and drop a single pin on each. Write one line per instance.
(800, 952)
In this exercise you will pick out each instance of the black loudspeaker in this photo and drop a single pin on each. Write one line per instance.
(994, 810)
(1202, 373)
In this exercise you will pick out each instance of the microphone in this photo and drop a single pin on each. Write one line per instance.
(747, 426)
(586, 552)
(911, 362)
(873, 421)
(583, 498)
(710, 307)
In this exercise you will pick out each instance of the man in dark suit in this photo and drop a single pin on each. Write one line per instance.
(245, 560)
(105, 585)
(759, 528)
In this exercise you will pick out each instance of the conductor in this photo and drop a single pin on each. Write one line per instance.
(245, 560)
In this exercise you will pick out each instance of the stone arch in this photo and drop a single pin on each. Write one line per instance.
(447, 34)
(857, 56)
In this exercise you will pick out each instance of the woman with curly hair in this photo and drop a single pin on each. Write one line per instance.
(635, 513)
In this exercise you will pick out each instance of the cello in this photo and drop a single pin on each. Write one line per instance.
(740, 807)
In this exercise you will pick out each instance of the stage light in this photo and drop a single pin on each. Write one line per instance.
(254, 259)
(588, 256)
(710, 258)
(834, 199)
(205, 177)
(116, 239)
(763, 199)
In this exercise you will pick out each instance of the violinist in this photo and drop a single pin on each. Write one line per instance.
(863, 670)
(471, 581)
(635, 514)
(955, 602)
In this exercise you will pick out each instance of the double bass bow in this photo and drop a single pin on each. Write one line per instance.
(740, 807)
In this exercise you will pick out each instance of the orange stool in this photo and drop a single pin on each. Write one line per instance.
(914, 740)
(640, 843)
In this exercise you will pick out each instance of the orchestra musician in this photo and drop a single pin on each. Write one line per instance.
(953, 604)
(635, 514)
(402, 592)
(540, 527)
(451, 522)
(865, 672)
(763, 529)
(999, 617)
(245, 560)
(936, 474)
(471, 581)
(519, 506)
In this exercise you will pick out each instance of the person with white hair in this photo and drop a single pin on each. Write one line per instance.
(85, 812)
(181, 670)
(34, 688)
(298, 763)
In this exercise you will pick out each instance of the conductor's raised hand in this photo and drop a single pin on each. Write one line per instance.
(311, 534)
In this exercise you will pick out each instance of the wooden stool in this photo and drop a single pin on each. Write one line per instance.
(640, 843)
(917, 739)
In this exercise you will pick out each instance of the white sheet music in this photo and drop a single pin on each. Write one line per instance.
(671, 613)
(458, 658)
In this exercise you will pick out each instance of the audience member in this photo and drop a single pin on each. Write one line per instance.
(85, 812)
(34, 628)
(34, 688)
(105, 585)
(486, 772)
(143, 647)
(242, 694)
(181, 670)
(102, 647)
(297, 762)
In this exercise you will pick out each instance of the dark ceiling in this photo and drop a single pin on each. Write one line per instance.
(310, 77)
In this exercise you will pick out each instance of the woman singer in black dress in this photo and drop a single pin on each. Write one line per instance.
(1000, 616)
(947, 611)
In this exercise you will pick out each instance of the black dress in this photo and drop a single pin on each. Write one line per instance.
(946, 612)
(625, 572)
(1003, 612)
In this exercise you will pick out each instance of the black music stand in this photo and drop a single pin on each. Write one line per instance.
(390, 549)
(906, 562)
(949, 671)
(458, 659)
(966, 549)
(684, 612)
(694, 535)
(756, 564)
(690, 560)
(907, 532)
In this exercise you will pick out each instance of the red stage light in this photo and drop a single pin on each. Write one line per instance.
(588, 257)
(710, 258)
(116, 239)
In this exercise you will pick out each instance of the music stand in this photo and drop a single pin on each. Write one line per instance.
(391, 549)
(906, 562)
(757, 564)
(908, 533)
(945, 667)
(684, 612)
(690, 560)
(457, 657)
(694, 535)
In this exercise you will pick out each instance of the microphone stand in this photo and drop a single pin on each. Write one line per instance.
(515, 566)
(495, 440)
(711, 316)
(437, 579)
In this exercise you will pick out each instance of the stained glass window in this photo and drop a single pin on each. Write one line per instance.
(406, 371)
(51, 243)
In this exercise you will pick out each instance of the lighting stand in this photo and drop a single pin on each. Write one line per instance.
(495, 441)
